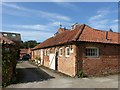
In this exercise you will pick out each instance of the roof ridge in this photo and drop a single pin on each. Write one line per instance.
(79, 32)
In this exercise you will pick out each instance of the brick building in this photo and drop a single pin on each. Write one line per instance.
(24, 52)
(81, 48)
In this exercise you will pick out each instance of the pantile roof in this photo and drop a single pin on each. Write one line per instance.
(81, 33)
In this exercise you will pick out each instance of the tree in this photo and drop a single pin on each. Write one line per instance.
(29, 44)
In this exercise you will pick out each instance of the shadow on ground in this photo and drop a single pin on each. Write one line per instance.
(25, 75)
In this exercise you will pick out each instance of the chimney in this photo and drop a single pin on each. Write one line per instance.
(61, 30)
(110, 30)
(74, 26)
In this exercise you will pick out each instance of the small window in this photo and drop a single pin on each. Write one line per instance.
(5, 34)
(13, 35)
(7, 49)
(45, 52)
(48, 51)
(60, 52)
(71, 49)
(92, 52)
(56, 50)
(67, 52)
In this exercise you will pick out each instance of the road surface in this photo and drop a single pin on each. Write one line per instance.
(33, 77)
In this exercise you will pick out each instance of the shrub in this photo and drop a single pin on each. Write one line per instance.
(8, 66)
(81, 74)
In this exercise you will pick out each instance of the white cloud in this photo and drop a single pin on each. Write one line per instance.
(103, 11)
(57, 0)
(41, 27)
(96, 17)
(34, 27)
(37, 32)
(13, 6)
(68, 5)
(114, 27)
(33, 35)
(27, 12)
(57, 23)
(115, 21)
(102, 21)
(53, 15)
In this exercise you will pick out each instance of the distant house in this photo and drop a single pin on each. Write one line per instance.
(81, 48)
(7, 44)
(10, 41)
(24, 52)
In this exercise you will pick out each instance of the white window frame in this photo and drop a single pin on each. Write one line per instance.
(48, 51)
(45, 52)
(60, 52)
(96, 56)
(67, 52)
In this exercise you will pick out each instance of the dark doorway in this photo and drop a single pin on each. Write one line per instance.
(56, 61)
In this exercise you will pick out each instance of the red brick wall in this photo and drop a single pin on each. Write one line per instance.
(106, 63)
(46, 61)
(67, 65)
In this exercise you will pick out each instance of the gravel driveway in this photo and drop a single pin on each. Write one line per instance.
(33, 77)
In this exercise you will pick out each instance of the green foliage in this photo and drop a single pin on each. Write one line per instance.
(28, 44)
(8, 66)
(38, 58)
(81, 74)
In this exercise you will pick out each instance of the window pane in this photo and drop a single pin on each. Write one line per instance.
(91, 52)
(60, 51)
(68, 51)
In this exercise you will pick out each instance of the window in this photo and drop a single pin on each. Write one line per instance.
(92, 52)
(60, 52)
(13, 35)
(48, 51)
(5, 34)
(71, 49)
(45, 52)
(55, 50)
(67, 52)
(7, 49)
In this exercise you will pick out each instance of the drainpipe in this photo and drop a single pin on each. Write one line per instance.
(107, 35)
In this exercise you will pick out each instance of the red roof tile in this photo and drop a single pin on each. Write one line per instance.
(92, 35)
(81, 33)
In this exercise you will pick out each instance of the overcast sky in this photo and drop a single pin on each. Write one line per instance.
(39, 21)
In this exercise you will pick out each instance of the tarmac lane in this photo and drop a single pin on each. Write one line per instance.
(31, 76)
